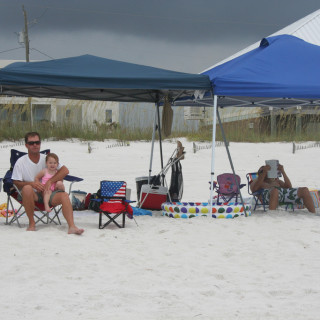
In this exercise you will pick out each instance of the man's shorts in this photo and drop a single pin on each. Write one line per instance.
(286, 195)
(40, 197)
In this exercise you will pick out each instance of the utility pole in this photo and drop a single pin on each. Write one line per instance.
(26, 44)
(25, 33)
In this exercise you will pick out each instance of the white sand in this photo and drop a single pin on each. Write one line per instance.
(266, 266)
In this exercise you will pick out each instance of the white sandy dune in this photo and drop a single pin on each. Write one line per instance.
(266, 266)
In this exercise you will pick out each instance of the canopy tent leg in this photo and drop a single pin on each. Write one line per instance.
(230, 160)
(152, 144)
(160, 141)
(214, 122)
(156, 124)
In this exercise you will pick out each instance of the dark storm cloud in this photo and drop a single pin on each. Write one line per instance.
(173, 20)
(219, 27)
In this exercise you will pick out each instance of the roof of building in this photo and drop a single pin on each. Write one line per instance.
(4, 63)
(307, 29)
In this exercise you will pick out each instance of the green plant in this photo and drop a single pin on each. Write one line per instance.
(15, 121)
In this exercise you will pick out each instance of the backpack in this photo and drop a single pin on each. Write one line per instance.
(93, 203)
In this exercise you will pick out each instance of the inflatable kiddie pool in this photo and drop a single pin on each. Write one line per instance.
(194, 209)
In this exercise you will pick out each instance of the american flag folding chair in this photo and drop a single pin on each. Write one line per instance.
(114, 203)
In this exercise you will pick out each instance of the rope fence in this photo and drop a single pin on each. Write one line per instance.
(114, 145)
(22, 143)
(12, 145)
(303, 146)
(208, 146)
(119, 144)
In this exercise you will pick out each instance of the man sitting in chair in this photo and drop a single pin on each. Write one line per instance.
(23, 175)
(277, 190)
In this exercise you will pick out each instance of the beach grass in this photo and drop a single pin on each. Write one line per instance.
(236, 132)
(15, 122)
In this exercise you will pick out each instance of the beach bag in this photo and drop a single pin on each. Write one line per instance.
(78, 199)
(87, 201)
(95, 201)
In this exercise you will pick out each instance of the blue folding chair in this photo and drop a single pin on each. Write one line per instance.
(13, 193)
(258, 195)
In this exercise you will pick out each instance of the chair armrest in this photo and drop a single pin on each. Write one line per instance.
(130, 201)
(72, 180)
(214, 184)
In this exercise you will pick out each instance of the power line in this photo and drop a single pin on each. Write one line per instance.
(35, 21)
(41, 52)
(10, 49)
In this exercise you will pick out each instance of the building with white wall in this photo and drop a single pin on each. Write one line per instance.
(83, 113)
(89, 113)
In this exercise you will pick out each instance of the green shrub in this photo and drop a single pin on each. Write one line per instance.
(287, 128)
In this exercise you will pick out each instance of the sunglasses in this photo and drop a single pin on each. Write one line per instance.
(31, 143)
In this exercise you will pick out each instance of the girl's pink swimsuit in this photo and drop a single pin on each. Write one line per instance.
(46, 177)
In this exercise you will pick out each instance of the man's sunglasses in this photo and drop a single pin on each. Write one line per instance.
(31, 143)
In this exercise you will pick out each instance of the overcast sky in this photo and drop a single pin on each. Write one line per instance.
(182, 35)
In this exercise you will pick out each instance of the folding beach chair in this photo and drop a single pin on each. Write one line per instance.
(114, 204)
(257, 195)
(13, 193)
(226, 187)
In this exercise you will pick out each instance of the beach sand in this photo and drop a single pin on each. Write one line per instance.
(261, 267)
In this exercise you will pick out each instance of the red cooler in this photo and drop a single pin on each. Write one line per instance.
(153, 196)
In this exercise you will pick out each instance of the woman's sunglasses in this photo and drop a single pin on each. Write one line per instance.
(31, 143)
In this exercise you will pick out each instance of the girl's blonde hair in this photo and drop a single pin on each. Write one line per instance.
(52, 155)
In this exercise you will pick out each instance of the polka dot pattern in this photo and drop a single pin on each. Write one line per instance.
(187, 210)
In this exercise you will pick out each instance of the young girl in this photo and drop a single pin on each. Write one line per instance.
(52, 162)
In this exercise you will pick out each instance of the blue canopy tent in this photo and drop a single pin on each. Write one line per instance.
(283, 71)
(281, 67)
(89, 77)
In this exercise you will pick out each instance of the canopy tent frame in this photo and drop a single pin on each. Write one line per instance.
(247, 102)
(215, 116)
(156, 126)
(92, 94)
(283, 71)
(93, 78)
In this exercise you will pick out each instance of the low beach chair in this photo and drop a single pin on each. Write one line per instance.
(13, 194)
(258, 196)
(226, 187)
(259, 200)
(114, 204)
